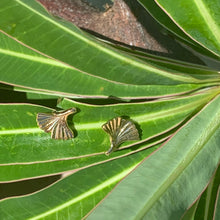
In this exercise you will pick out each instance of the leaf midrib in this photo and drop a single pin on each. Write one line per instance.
(111, 52)
(140, 119)
(92, 191)
(183, 164)
(39, 59)
(207, 18)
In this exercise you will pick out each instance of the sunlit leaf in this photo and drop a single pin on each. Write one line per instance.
(27, 151)
(74, 196)
(168, 182)
(67, 62)
(200, 20)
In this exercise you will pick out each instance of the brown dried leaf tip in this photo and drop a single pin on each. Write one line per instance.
(56, 123)
(120, 130)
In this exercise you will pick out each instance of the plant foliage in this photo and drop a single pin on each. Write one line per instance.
(175, 106)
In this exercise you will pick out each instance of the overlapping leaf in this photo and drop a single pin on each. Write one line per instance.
(163, 18)
(190, 213)
(198, 19)
(82, 65)
(24, 147)
(182, 169)
(43, 55)
(74, 196)
(206, 205)
(217, 205)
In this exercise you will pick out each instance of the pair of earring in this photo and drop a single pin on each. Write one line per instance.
(118, 129)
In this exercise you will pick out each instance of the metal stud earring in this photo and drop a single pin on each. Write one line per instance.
(120, 130)
(56, 123)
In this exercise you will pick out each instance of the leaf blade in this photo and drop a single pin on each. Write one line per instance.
(72, 192)
(169, 182)
(203, 26)
(65, 55)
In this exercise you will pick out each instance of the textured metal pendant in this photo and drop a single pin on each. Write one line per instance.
(56, 123)
(120, 130)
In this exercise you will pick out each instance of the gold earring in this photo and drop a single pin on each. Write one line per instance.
(56, 123)
(120, 130)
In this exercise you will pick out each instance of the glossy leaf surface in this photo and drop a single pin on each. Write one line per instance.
(199, 19)
(207, 203)
(190, 213)
(76, 63)
(217, 205)
(165, 20)
(43, 58)
(165, 175)
(25, 146)
(75, 195)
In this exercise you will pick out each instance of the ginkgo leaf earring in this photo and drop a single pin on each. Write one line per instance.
(120, 130)
(56, 123)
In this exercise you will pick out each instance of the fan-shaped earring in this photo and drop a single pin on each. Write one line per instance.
(120, 130)
(56, 123)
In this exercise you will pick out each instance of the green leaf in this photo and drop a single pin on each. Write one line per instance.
(207, 203)
(199, 19)
(65, 61)
(158, 14)
(74, 196)
(190, 214)
(168, 182)
(217, 206)
(193, 70)
(26, 151)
